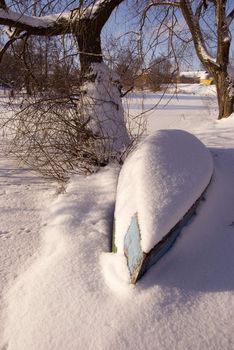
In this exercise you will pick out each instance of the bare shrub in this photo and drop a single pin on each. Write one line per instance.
(161, 72)
(56, 136)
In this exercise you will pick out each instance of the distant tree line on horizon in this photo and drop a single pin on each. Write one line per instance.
(38, 66)
(71, 117)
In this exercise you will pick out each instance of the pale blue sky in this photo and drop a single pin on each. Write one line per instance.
(123, 21)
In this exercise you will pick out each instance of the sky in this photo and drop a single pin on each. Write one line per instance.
(123, 20)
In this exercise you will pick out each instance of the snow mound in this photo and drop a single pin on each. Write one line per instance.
(54, 303)
(159, 182)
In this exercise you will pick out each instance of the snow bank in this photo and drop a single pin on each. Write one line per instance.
(159, 182)
(53, 303)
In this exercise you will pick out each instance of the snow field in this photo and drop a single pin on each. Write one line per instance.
(72, 295)
(21, 222)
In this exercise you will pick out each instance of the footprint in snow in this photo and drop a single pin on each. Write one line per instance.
(5, 235)
(3, 232)
(24, 229)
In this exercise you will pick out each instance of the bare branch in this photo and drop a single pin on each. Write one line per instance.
(196, 32)
(6, 46)
(165, 3)
(199, 9)
(60, 23)
(47, 25)
(13, 36)
(230, 18)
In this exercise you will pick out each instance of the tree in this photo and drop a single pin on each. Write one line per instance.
(160, 72)
(94, 108)
(84, 22)
(209, 24)
(121, 54)
(36, 65)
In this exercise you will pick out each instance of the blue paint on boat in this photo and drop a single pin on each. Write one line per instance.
(132, 245)
(138, 261)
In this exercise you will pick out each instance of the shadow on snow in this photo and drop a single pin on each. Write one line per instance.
(202, 258)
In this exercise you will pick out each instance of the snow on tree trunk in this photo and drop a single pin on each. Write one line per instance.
(102, 101)
(101, 90)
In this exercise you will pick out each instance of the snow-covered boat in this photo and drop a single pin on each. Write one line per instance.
(160, 186)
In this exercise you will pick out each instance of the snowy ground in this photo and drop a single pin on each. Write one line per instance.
(57, 288)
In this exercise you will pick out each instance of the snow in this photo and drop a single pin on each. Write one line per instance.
(160, 181)
(62, 289)
(194, 89)
(103, 98)
(93, 8)
(33, 21)
(50, 20)
(21, 222)
(195, 74)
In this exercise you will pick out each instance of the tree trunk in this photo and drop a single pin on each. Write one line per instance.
(100, 91)
(89, 45)
(27, 84)
(225, 93)
(218, 67)
(100, 87)
(224, 87)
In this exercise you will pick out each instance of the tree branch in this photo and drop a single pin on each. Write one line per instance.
(223, 34)
(103, 10)
(60, 23)
(46, 25)
(199, 9)
(230, 18)
(165, 3)
(196, 32)
(12, 38)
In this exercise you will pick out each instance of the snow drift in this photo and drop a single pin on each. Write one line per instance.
(185, 301)
(160, 181)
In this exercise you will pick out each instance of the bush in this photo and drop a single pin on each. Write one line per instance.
(56, 136)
